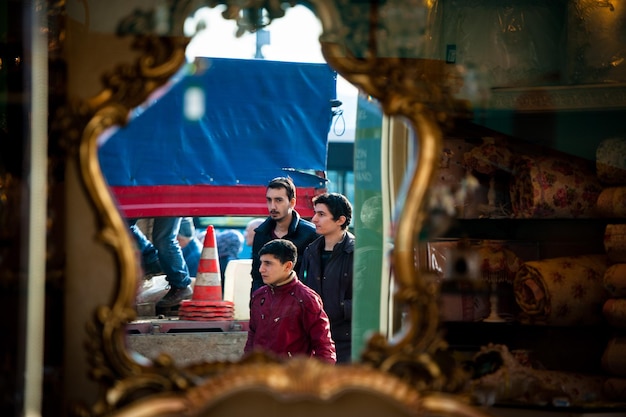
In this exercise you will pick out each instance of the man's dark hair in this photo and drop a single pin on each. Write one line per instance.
(286, 183)
(283, 249)
(337, 204)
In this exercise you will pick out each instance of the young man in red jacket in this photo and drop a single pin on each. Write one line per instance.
(287, 318)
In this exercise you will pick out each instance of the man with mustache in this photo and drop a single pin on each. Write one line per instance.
(283, 222)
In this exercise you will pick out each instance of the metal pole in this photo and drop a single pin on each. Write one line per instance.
(36, 267)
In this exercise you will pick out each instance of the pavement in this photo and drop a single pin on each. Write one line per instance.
(186, 341)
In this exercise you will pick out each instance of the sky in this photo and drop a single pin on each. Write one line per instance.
(293, 38)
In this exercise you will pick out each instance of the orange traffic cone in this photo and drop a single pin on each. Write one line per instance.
(206, 302)
(208, 286)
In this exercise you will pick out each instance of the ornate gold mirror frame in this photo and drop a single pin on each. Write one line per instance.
(365, 42)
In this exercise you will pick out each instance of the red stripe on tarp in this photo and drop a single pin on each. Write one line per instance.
(201, 200)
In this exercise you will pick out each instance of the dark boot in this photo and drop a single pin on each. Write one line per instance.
(174, 297)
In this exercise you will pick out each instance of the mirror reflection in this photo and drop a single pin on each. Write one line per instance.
(436, 95)
(189, 172)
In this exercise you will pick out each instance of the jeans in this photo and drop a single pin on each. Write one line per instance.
(164, 248)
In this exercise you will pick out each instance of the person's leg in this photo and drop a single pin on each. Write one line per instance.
(172, 261)
(149, 254)
(170, 254)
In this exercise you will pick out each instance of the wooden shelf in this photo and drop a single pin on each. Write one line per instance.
(594, 97)
(540, 340)
(567, 230)
(525, 411)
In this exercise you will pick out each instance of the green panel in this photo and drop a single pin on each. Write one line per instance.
(366, 303)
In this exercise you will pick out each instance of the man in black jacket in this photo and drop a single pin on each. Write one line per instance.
(327, 267)
(284, 222)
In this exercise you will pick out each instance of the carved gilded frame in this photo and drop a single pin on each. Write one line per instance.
(398, 75)
(301, 387)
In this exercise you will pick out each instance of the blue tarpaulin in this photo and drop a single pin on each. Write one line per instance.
(261, 119)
